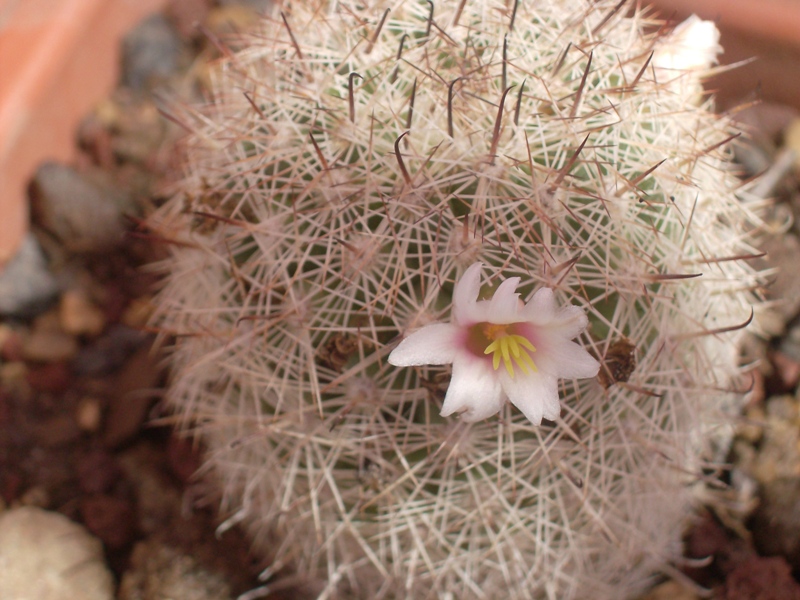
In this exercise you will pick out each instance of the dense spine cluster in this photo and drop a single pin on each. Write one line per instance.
(352, 161)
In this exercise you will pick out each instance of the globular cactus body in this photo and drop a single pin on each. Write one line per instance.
(353, 160)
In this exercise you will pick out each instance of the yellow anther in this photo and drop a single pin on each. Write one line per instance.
(512, 349)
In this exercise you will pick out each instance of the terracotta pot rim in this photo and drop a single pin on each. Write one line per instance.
(57, 59)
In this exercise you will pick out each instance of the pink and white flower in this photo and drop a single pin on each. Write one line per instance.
(502, 349)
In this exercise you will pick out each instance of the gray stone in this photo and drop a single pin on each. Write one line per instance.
(783, 291)
(150, 53)
(776, 523)
(259, 5)
(108, 352)
(84, 213)
(27, 287)
(158, 571)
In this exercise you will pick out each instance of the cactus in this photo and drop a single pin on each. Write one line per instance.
(352, 161)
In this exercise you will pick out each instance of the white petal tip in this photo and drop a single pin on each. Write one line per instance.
(432, 345)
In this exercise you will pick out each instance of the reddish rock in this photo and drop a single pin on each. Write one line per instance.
(109, 518)
(11, 350)
(53, 377)
(761, 579)
(10, 486)
(135, 388)
(187, 15)
(57, 430)
(184, 456)
(98, 472)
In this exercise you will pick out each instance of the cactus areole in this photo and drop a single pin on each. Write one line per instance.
(353, 167)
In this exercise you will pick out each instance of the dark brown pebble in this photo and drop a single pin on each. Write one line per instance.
(111, 519)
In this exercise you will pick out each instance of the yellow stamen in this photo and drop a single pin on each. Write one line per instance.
(516, 346)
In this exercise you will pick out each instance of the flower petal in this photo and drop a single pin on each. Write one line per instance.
(541, 308)
(465, 295)
(435, 344)
(569, 322)
(536, 395)
(694, 44)
(474, 390)
(505, 302)
(562, 358)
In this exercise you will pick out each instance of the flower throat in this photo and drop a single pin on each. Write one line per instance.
(511, 348)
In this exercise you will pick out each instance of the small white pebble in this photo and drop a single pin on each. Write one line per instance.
(44, 555)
